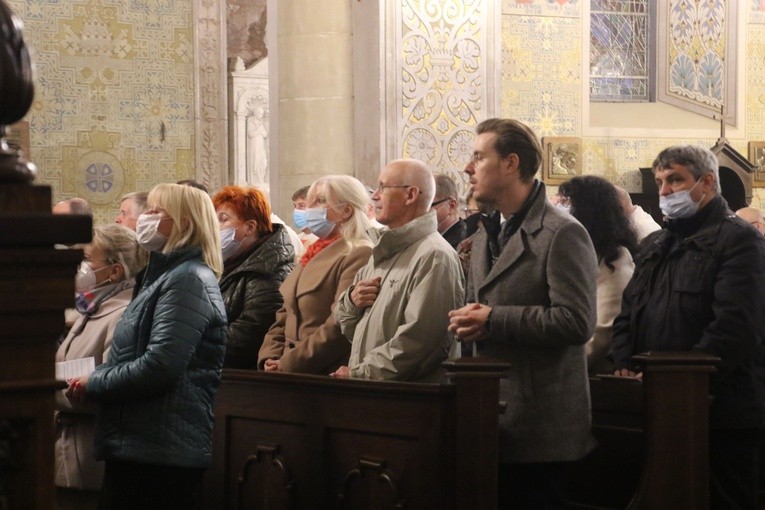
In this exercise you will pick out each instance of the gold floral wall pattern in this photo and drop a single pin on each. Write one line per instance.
(443, 70)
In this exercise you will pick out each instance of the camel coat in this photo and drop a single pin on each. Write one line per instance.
(76, 466)
(542, 291)
(305, 336)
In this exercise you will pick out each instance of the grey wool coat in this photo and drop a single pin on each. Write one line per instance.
(542, 291)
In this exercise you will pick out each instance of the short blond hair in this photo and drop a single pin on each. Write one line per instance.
(120, 247)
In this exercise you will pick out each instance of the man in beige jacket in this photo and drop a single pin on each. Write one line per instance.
(397, 310)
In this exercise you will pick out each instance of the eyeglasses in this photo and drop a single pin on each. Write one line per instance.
(382, 187)
(563, 200)
(438, 202)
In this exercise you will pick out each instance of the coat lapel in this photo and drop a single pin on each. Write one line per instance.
(514, 248)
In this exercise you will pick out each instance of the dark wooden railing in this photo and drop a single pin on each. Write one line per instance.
(295, 441)
(290, 441)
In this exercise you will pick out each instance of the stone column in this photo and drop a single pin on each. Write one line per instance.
(312, 114)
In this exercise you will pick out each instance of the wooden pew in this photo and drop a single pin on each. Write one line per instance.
(295, 441)
(652, 435)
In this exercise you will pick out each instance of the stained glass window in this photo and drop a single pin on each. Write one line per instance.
(620, 51)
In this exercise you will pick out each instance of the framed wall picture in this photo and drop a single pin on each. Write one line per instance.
(562, 158)
(17, 136)
(757, 158)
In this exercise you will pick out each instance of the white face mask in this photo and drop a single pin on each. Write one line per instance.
(147, 234)
(228, 243)
(85, 279)
(679, 204)
(563, 207)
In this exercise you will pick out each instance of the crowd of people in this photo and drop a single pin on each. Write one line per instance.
(385, 282)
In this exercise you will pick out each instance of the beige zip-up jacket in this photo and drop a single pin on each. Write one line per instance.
(403, 335)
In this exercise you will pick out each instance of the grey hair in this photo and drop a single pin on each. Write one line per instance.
(698, 160)
(445, 187)
(120, 246)
(139, 200)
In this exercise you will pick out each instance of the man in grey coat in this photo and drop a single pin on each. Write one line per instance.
(531, 301)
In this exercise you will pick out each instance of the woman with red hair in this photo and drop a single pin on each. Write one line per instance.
(257, 256)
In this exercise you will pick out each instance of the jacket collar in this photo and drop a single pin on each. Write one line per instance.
(390, 242)
(159, 263)
(265, 257)
(708, 221)
(532, 223)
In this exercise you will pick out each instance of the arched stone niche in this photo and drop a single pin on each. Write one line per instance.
(249, 125)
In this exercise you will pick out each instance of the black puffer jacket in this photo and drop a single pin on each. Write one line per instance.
(250, 290)
(700, 285)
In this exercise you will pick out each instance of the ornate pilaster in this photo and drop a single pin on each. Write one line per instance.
(211, 117)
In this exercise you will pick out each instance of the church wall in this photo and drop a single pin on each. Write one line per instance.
(543, 82)
(114, 105)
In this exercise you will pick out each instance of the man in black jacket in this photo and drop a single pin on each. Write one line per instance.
(699, 284)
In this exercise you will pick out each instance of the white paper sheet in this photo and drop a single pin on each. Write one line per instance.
(66, 370)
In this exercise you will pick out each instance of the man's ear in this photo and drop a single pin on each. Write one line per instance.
(412, 194)
(510, 162)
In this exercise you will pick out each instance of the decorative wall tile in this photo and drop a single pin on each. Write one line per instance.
(557, 8)
(114, 96)
(541, 73)
(444, 50)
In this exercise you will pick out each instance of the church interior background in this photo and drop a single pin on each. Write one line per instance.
(276, 93)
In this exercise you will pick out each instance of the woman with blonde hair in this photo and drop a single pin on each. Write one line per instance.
(104, 285)
(155, 393)
(305, 337)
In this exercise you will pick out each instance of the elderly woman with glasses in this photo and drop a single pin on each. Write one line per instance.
(104, 285)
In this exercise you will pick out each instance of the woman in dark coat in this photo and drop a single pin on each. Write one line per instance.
(257, 256)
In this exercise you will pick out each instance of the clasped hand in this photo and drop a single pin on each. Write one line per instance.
(468, 323)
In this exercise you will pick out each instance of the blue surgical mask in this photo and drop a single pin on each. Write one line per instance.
(679, 204)
(228, 243)
(298, 216)
(316, 220)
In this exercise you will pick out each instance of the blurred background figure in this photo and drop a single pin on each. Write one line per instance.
(305, 337)
(104, 286)
(132, 205)
(642, 222)
(596, 204)
(257, 257)
(446, 205)
(299, 204)
(73, 206)
(754, 217)
(155, 393)
(194, 184)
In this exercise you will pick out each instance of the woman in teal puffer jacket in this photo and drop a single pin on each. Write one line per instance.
(156, 391)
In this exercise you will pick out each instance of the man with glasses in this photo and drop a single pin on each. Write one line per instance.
(531, 301)
(446, 205)
(396, 312)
